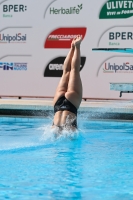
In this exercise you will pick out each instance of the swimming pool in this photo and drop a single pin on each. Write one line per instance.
(94, 164)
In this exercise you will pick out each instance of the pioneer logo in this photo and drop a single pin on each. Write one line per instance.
(62, 37)
(55, 67)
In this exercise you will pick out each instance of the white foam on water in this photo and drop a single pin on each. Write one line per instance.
(54, 134)
(18, 136)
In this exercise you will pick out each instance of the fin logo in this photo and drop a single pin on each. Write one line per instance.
(55, 67)
(62, 37)
(13, 66)
(114, 9)
(71, 10)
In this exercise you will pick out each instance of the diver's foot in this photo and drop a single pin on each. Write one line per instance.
(72, 44)
(77, 41)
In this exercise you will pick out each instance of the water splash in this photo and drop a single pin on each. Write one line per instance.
(54, 134)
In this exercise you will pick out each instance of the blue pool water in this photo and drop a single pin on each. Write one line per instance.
(94, 164)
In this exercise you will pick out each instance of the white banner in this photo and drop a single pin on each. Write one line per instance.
(35, 37)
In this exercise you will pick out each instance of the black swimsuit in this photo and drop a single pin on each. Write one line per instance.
(64, 104)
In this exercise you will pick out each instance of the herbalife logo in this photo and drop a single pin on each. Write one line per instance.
(71, 10)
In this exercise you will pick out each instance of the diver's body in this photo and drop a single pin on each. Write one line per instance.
(68, 95)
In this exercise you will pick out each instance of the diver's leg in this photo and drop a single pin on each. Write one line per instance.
(74, 91)
(63, 84)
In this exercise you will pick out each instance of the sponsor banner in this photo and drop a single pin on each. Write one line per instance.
(9, 9)
(62, 37)
(116, 66)
(13, 38)
(38, 54)
(15, 35)
(119, 37)
(114, 9)
(125, 67)
(72, 10)
(55, 67)
(13, 66)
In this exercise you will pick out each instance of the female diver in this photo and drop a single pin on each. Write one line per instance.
(68, 94)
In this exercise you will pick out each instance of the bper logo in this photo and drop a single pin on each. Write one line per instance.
(13, 66)
(55, 67)
(121, 35)
(116, 37)
(13, 39)
(14, 8)
(62, 37)
(71, 10)
(10, 9)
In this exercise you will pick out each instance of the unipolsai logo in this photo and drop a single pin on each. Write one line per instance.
(116, 68)
(55, 67)
(16, 66)
(114, 9)
(16, 38)
(69, 10)
(10, 9)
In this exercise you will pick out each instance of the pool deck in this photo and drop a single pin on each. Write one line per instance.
(95, 109)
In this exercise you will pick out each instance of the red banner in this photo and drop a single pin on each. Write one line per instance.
(62, 37)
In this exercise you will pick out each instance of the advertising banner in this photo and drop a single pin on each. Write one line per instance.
(35, 37)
